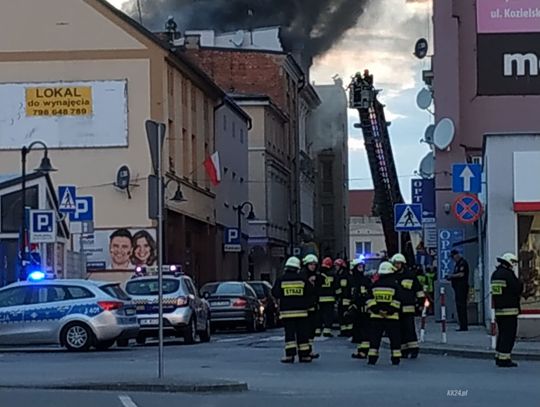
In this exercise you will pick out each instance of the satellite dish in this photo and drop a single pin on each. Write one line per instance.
(444, 133)
(424, 99)
(238, 38)
(427, 166)
(428, 135)
(123, 179)
(421, 48)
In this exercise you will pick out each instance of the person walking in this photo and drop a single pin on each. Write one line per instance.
(293, 292)
(506, 289)
(460, 283)
(384, 305)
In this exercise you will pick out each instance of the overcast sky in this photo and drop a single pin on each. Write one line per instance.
(383, 42)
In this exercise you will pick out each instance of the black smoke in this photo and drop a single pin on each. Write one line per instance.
(314, 25)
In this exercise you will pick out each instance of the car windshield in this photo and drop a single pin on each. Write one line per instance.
(150, 286)
(259, 289)
(115, 291)
(224, 289)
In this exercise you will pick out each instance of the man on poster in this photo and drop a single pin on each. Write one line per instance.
(121, 249)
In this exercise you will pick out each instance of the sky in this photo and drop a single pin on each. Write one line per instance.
(383, 42)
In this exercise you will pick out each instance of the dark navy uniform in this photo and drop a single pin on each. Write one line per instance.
(344, 295)
(361, 287)
(327, 300)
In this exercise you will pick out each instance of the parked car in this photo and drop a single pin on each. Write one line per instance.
(185, 313)
(234, 304)
(263, 289)
(76, 314)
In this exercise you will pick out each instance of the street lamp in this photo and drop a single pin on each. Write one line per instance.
(251, 216)
(44, 167)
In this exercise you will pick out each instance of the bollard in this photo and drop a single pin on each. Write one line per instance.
(493, 327)
(423, 321)
(443, 316)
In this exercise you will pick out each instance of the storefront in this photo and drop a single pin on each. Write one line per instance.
(512, 169)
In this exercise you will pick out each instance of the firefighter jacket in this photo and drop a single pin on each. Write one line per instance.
(430, 281)
(385, 298)
(344, 286)
(294, 293)
(506, 290)
(316, 282)
(329, 286)
(361, 286)
(412, 291)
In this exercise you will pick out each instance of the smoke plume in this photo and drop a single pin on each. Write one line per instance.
(314, 25)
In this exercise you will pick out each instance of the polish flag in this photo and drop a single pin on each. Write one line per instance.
(213, 168)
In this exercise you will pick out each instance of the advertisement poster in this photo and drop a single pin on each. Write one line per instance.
(64, 114)
(120, 249)
(507, 16)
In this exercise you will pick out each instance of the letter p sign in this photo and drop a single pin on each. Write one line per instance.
(42, 226)
(232, 236)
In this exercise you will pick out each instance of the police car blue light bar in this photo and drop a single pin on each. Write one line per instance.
(37, 275)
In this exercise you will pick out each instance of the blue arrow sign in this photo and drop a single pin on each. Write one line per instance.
(467, 178)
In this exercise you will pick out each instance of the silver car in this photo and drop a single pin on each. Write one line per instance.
(186, 315)
(76, 314)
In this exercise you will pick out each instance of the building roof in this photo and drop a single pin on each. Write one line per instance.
(361, 202)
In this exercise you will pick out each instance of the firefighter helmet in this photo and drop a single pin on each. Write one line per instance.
(293, 262)
(339, 263)
(386, 268)
(310, 259)
(327, 262)
(398, 258)
(509, 258)
(356, 262)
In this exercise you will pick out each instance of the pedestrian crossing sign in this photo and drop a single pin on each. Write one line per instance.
(67, 197)
(407, 217)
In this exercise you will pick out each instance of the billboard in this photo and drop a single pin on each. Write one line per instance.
(64, 114)
(507, 16)
(509, 64)
(120, 249)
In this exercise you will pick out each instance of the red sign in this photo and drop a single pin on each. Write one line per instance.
(467, 208)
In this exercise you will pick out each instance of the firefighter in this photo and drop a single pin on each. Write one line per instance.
(361, 285)
(413, 298)
(506, 290)
(327, 298)
(344, 297)
(293, 292)
(384, 305)
(310, 272)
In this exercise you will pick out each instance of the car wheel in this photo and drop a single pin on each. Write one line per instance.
(190, 334)
(205, 335)
(122, 343)
(141, 340)
(104, 345)
(77, 337)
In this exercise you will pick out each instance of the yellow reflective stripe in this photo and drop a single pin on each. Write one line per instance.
(420, 294)
(412, 344)
(396, 353)
(292, 284)
(327, 330)
(293, 314)
(346, 301)
(303, 347)
(407, 284)
(363, 290)
(338, 291)
(344, 283)
(395, 304)
(506, 311)
(373, 352)
(327, 299)
(290, 345)
(371, 303)
(409, 308)
(312, 309)
(383, 294)
(504, 356)
(364, 345)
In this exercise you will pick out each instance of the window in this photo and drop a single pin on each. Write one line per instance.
(48, 293)
(151, 287)
(172, 147)
(13, 297)
(115, 291)
(362, 248)
(185, 152)
(76, 293)
(189, 286)
(250, 292)
(476, 160)
(528, 240)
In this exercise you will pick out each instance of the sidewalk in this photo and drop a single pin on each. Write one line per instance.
(476, 343)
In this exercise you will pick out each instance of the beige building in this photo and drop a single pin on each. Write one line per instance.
(366, 233)
(83, 77)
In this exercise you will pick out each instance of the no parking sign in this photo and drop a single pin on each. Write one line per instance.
(467, 208)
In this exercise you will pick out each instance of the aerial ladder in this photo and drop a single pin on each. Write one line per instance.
(363, 97)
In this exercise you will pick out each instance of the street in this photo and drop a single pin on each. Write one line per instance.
(254, 359)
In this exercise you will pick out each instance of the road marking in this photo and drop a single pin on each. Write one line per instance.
(235, 339)
(127, 402)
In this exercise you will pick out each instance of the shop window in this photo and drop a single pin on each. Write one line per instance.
(529, 260)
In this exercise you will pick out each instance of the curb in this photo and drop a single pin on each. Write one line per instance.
(232, 387)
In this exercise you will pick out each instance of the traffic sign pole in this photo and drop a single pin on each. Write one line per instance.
(160, 252)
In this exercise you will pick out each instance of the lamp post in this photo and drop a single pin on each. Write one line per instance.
(44, 167)
(251, 216)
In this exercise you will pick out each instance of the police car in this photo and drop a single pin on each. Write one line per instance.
(185, 313)
(76, 314)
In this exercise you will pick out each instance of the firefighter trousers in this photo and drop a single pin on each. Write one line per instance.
(409, 340)
(313, 323)
(379, 326)
(326, 313)
(345, 325)
(361, 332)
(507, 329)
(296, 336)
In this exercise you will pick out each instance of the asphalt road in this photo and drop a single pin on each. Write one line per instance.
(254, 358)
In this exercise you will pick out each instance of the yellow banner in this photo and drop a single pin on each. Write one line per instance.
(59, 101)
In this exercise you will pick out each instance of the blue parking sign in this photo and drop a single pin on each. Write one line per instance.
(84, 209)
